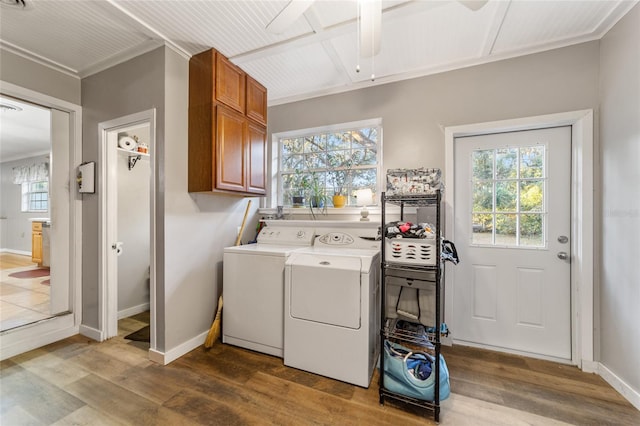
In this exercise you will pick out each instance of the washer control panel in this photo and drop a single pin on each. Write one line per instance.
(286, 236)
(336, 239)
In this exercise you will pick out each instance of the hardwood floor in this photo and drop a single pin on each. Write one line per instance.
(80, 382)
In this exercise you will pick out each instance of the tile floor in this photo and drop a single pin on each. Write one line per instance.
(22, 300)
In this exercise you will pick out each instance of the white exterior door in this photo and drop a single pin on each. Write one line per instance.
(512, 201)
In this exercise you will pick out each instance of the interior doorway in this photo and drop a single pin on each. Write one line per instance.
(127, 221)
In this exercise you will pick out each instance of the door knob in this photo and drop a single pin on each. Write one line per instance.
(563, 255)
(562, 239)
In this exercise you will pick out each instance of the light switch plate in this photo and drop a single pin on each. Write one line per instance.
(86, 178)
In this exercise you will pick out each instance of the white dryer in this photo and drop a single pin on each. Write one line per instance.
(253, 288)
(332, 296)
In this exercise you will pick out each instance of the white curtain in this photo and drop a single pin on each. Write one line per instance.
(33, 173)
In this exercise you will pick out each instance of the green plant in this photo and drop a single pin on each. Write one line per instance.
(315, 190)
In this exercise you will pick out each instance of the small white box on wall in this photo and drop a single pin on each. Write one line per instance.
(86, 178)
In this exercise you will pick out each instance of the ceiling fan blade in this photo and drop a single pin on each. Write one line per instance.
(288, 16)
(473, 4)
(370, 23)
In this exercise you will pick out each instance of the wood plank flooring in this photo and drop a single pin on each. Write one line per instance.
(80, 382)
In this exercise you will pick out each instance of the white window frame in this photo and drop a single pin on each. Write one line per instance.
(276, 193)
(25, 201)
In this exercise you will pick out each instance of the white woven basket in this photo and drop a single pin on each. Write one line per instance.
(411, 250)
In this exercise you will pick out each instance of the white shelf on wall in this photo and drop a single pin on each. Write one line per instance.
(131, 152)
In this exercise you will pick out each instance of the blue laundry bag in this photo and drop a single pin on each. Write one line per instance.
(401, 366)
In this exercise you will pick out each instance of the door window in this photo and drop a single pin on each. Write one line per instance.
(508, 193)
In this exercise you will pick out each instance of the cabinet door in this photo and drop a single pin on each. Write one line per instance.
(256, 101)
(230, 157)
(257, 159)
(230, 84)
(36, 247)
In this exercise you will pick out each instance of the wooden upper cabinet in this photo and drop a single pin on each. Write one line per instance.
(230, 84)
(230, 150)
(256, 159)
(227, 148)
(256, 101)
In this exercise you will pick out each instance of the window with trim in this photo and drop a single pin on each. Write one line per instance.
(508, 197)
(35, 196)
(332, 160)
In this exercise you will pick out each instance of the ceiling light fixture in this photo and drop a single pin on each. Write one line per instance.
(369, 21)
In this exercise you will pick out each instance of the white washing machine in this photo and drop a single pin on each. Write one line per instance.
(253, 288)
(332, 299)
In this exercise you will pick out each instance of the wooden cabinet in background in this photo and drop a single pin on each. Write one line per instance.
(227, 146)
(36, 242)
(256, 101)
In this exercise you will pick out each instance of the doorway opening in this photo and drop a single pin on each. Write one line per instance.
(127, 221)
(41, 221)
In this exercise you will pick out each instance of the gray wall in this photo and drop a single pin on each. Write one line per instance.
(197, 226)
(22, 72)
(130, 87)
(620, 205)
(15, 231)
(414, 112)
(191, 230)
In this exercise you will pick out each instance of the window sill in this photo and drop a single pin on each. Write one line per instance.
(270, 213)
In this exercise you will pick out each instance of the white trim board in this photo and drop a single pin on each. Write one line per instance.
(92, 333)
(23, 339)
(12, 251)
(126, 313)
(620, 385)
(171, 355)
(582, 214)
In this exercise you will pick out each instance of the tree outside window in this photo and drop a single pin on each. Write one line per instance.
(508, 196)
(341, 161)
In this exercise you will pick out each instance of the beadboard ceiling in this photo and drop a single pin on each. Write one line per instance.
(317, 54)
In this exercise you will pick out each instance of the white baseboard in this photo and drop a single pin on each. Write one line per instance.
(630, 394)
(165, 358)
(92, 333)
(126, 313)
(21, 252)
(33, 336)
(590, 366)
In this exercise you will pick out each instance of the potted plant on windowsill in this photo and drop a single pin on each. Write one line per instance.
(340, 174)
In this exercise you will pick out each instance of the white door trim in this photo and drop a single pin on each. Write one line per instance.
(53, 329)
(108, 292)
(582, 215)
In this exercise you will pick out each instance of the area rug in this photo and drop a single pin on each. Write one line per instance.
(141, 335)
(32, 273)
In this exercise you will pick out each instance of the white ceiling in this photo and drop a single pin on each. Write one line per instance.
(317, 55)
(24, 131)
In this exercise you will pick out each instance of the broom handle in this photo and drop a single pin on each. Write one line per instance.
(244, 220)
